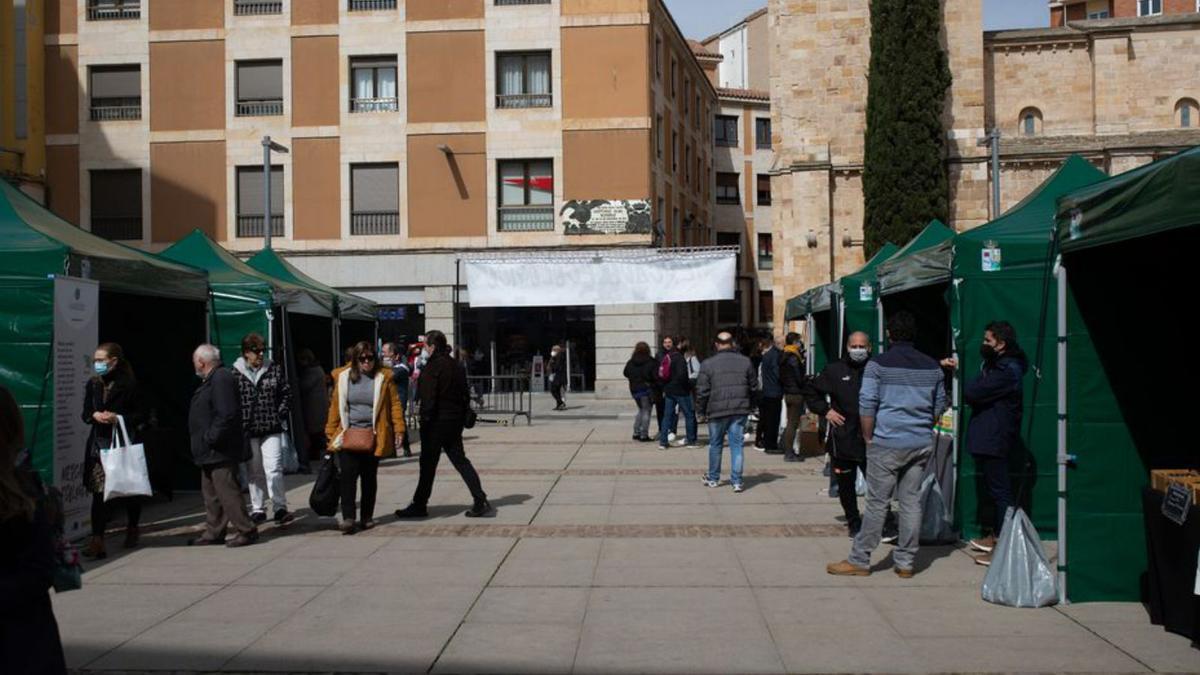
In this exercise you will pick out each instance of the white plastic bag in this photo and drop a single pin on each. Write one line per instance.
(1020, 574)
(125, 472)
(936, 524)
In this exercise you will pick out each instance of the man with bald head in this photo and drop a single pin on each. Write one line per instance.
(834, 398)
(726, 390)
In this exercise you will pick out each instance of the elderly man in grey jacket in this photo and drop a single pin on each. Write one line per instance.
(725, 393)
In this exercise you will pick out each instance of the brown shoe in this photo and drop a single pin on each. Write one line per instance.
(846, 569)
(903, 573)
(205, 541)
(132, 535)
(243, 539)
(348, 527)
(985, 560)
(95, 549)
(983, 544)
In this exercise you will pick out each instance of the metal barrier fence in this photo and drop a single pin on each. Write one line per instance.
(501, 399)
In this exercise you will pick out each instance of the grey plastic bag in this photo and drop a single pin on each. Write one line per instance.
(1020, 574)
(936, 524)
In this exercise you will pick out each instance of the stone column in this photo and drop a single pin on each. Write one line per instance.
(618, 329)
(439, 310)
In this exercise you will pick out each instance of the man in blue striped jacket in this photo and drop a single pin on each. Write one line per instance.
(903, 394)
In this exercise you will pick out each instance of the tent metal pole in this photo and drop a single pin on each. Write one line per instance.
(271, 334)
(810, 325)
(841, 325)
(879, 322)
(1063, 458)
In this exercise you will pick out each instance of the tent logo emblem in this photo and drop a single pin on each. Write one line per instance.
(1076, 226)
(990, 261)
(865, 292)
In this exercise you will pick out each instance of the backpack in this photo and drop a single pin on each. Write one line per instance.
(664, 368)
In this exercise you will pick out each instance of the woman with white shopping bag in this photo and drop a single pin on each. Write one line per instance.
(112, 391)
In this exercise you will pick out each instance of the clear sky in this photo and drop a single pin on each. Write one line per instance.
(701, 18)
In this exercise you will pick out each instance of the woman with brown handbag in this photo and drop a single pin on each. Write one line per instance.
(365, 423)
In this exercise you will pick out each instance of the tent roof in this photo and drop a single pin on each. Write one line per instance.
(816, 299)
(350, 306)
(228, 274)
(923, 261)
(1025, 231)
(35, 243)
(1157, 197)
(867, 271)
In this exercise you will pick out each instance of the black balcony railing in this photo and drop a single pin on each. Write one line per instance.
(375, 222)
(526, 219)
(265, 108)
(252, 226)
(118, 229)
(522, 2)
(358, 105)
(113, 10)
(369, 5)
(257, 7)
(113, 109)
(513, 101)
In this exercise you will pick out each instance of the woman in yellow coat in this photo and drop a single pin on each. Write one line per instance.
(365, 423)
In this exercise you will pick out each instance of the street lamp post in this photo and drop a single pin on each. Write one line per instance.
(268, 145)
(992, 140)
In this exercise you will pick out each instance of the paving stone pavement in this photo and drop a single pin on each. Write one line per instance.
(604, 556)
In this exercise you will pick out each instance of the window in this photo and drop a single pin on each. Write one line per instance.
(373, 79)
(257, 7)
(658, 57)
(672, 77)
(1031, 122)
(374, 198)
(1102, 14)
(687, 97)
(1187, 113)
(725, 130)
(117, 203)
(674, 151)
(1149, 7)
(687, 165)
(696, 112)
(764, 189)
(523, 80)
(762, 133)
(659, 133)
(766, 251)
(250, 201)
(113, 10)
(20, 70)
(729, 312)
(116, 93)
(526, 192)
(766, 307)
(727, 189)
(259, 88)
(368, 5)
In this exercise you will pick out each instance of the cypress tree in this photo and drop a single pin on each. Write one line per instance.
(904, 170)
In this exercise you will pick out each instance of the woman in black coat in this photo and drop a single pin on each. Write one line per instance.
(112, 391)
(642, 372)
(29, 640)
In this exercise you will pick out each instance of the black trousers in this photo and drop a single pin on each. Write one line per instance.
(436, 438)
(353, 466)
(101, 512)
(556, 390)
(769, 411)
(845, 472)
(660, 406)
(995, 474)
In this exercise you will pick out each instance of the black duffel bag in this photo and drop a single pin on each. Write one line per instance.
(326, 492)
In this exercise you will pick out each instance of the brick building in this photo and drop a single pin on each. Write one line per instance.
(1064, 11)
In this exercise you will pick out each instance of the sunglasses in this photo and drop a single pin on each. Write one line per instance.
(366, 358)
(257, 350)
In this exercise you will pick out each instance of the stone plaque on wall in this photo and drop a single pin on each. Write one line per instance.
(605, 216)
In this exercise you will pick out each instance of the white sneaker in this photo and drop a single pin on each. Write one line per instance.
(663, 447)
(693, 446)
(671, 436)
(710, 483)
(746, 437)
(679, 443)
(760, 448)
(737, 487)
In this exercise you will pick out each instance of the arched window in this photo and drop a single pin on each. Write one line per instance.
(1187, 113)
(1030, 122)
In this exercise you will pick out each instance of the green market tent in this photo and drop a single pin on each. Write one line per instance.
(815, 306)
(1003, 271)
(349, 306)
(924, 261)
(858, 293)
(36, 246)
(1142, 224)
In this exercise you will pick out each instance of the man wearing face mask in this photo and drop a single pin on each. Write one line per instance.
(996, 398)
(833, 396)
(557, 372)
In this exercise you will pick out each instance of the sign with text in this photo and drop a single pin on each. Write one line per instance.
(604, 216)
(76, 331)
(1176, 502)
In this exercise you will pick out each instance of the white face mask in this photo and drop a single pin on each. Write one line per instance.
(859, 354)
(388, 362)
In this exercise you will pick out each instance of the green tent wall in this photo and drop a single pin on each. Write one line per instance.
(859, 292)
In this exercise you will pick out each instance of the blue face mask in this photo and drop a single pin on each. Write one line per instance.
(101, 367)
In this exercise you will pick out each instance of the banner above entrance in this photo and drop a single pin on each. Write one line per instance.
(601, 277)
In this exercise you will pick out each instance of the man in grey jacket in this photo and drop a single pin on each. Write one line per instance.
(725, 393)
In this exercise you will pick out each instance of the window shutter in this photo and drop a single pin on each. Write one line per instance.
(116, 193)
(250, 191)
(259, 81)
(117, 82)
(375, 188)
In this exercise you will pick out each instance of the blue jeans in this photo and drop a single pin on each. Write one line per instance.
(684, 403)
(718, 429)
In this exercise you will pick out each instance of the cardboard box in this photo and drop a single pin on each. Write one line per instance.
(1160, 478)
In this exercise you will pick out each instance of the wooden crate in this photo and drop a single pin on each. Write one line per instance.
(1160, 478)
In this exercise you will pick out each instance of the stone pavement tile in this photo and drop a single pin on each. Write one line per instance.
(572, 514)
(680, 630)
(427, 569)
(510, 648)
(701, 563)
(337, 546)
(556, 606)
(582, 490)
(205, 570)
(841, 607)
(210, 632)
(788, 562)
(100, 617)
(918, 612)
(1150, 644)
(1088, 613)
(754, 514)
(659, 490)
(1081, 653)
(824, 648)
(755, 493)
(296, 571)
(466, 545)
(828, 512)
(550, 562)
(361, 629)
(664, 514)
(534, 459)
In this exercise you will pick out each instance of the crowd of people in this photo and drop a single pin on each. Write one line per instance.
(878, 412)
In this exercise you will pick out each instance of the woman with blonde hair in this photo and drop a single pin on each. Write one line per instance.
(365, 423)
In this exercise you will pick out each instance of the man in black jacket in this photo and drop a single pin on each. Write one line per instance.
(557, 372)
(677, 390)
(771, 405)
(841, 381)
(218, 445)
(445, 402)
(794, 383)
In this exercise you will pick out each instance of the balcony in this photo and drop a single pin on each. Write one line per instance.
(116, 109)
(252, 226)
(118, 229)
(374, 222)
(114, 10)
(517, 101)
(257, 7)
(363, 105)
(370, 5)
(265, 108)
(526, 219)
(502, 3)
(766, 261)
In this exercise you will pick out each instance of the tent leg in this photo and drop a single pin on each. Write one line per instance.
(879, 323)
(271, 334)
(841, 326)
(809, 362)
(1063, 458)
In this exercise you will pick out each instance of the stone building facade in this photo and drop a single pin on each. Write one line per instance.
(1121, 92)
